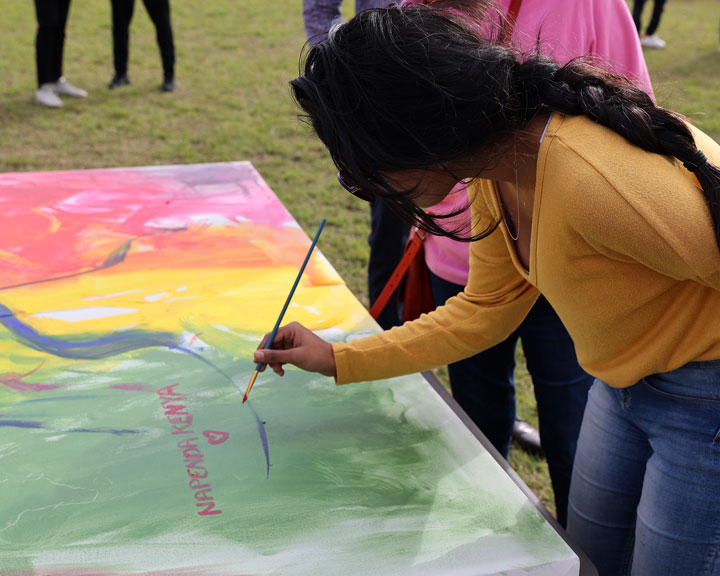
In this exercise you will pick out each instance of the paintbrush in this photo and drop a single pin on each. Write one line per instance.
(258, 366)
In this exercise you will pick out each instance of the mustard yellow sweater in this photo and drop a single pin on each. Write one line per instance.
(622, 247)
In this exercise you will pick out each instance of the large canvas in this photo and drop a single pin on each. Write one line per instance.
(130, 303)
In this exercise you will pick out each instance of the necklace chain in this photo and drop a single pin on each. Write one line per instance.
(517, 206)
(517, 187)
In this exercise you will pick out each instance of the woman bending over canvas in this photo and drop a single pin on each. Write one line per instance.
(581, 189)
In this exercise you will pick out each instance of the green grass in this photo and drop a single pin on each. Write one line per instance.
(235, 58)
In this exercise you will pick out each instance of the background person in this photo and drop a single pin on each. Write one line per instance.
(49, 44)
(159, 12)
(649, 39)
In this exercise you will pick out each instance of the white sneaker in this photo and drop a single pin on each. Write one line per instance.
(46, 96)
(653, 41)
(64, 87)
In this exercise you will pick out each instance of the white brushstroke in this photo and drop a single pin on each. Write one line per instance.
(85, 314)
(105, 296)
(155, 297)
(54, 438)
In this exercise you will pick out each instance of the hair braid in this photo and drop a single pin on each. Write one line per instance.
(579, 89)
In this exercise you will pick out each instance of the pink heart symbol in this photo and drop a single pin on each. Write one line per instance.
(215, 437)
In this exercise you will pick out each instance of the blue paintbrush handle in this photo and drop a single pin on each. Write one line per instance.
(292, 291)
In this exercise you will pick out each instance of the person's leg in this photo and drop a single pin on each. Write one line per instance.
(159, 12)
(122, 13)
(319, 16)
(48, 19)
(607, 481)
(637, 14)
(49, 41)
(561, 388)
(388, 235)
(63, 8)
(483, 385)
(678, 519)
(655, 19)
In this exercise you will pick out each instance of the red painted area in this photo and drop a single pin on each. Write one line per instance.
(15, 381)
(86, 220)
(215, 437)
(129, 387)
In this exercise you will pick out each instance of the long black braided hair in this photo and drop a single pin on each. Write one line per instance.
(419, 86)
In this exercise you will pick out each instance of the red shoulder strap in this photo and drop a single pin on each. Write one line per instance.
(411, 249)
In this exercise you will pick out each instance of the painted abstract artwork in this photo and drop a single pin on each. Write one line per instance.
(130, 303)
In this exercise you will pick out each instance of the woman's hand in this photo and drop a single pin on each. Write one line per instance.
(295, 344)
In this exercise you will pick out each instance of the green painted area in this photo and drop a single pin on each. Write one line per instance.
(377, 478)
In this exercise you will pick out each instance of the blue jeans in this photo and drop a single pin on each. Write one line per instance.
(484, 387)
(645, 492)
(320, 15)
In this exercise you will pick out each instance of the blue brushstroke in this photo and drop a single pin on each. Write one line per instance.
(20, 424)
(261, 429)
(110, 346)
(105, 431)
(263, 437)
(89, 350)
(30, 424)
(258, 420)
(117, 255)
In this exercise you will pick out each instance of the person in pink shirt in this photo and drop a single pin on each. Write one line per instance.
(483, 385)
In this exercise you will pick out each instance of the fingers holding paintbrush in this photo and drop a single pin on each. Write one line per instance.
(294, 344)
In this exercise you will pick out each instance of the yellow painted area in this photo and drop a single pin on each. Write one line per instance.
(247, 300)
(82, 278)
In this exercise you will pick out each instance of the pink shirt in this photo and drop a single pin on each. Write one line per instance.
(603, 29)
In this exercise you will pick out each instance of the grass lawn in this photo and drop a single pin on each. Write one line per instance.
(234, 61)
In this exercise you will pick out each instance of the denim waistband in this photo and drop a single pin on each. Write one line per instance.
(699, 380)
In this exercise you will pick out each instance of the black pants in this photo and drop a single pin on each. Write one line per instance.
(388, 234)
(159, 12)
(50, 40)
(638, 6)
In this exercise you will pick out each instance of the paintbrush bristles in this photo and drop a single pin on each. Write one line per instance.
(250, 385)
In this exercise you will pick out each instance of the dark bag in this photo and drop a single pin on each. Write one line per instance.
(416, 292)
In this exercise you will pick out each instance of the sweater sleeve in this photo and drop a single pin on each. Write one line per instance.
(493, 304)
